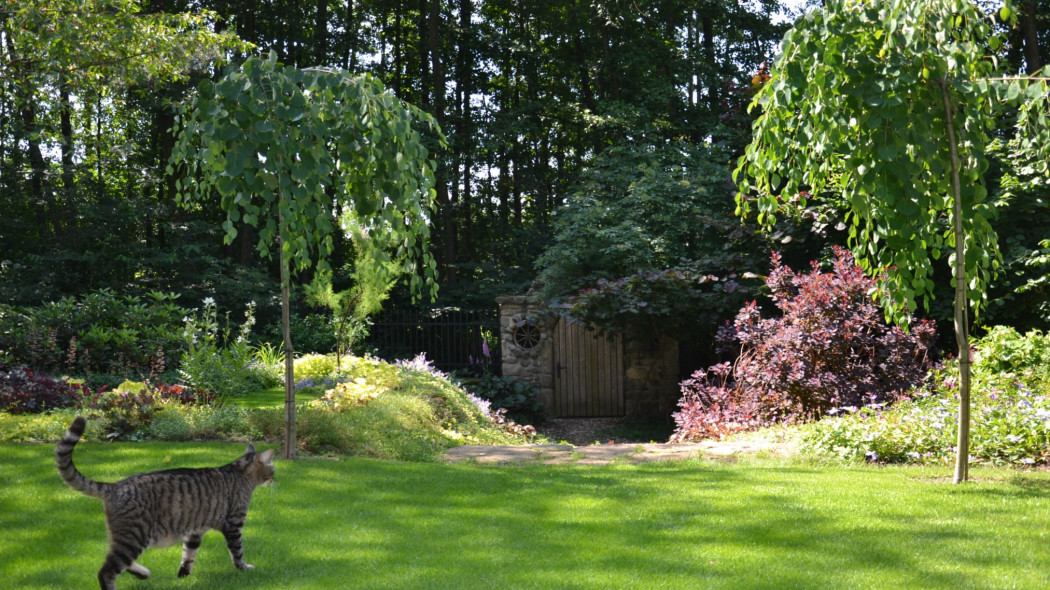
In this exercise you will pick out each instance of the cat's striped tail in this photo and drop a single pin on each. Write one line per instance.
(64, 462)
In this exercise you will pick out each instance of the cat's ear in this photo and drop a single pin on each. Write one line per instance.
(266, 456)
(250, 450)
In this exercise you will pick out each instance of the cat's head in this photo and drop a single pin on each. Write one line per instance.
(258, 466)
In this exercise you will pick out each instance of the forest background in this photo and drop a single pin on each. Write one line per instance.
(589, 153)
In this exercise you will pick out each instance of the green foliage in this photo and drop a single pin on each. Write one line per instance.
(1011, 420)
(413, 413)
(1020, 296)
(314, 367)
(282, 164)
(99, 332)
(47, 427)
(220, 359)
(373, 278)
(866, 128)
(311, 332)
(123, 43)
(642, 208)
(349, 394)
(519, 398)
(83, 85)
(642, 239)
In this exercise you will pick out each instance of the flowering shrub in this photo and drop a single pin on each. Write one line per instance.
(830, 348)
(22, 391)
(99, 332)
(1010, 411)
(220, 360)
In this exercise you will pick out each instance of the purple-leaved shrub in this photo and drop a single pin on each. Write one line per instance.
(830, 348)
(23, 391)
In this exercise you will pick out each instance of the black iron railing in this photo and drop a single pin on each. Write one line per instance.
(451, 338)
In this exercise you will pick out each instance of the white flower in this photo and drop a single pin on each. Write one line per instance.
(1013, 438)
(209, 301)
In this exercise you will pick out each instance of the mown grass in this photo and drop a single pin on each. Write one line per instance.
(273, 397)
(376, 524)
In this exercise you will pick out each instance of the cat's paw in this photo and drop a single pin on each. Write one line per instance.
(245, 566)
(138, 571)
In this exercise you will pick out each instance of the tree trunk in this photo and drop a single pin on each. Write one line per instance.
(321, 33)
(68, 192)
(437, 73)
(962, 327)
(709, 56)
(1033, 60)
(350, 54)
(464, 138)
(286, 331)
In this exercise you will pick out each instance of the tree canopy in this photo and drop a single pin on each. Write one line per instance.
(283, 147)
(888, 108)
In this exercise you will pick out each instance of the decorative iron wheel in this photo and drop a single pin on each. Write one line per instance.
(527, 336)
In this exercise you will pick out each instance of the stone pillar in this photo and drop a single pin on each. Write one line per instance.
(527, 345)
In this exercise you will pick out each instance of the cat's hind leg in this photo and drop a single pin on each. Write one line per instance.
(189, 553)
(121, 557)
(138, 570)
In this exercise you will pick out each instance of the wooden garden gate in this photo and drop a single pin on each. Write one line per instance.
(588, 373)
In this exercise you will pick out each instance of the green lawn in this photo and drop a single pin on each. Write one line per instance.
(361, 523)
(272, 398)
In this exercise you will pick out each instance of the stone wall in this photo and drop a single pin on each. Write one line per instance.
(651, 373)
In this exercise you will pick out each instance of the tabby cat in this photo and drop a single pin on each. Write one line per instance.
(158, 508)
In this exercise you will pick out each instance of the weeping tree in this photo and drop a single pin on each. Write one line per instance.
(885, 108)
(288, 151)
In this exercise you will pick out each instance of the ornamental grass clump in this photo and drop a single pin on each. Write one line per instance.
(830, 348)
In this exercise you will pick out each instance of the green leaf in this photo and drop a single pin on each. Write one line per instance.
(1013, 91)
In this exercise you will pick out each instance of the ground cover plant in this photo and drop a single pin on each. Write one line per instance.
(1011, 411)
(680, 525)
(407, 411)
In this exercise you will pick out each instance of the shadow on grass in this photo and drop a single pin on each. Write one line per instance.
(374, 524)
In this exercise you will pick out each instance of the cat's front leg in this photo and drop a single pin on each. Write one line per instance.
(233, 542)
(189, 553)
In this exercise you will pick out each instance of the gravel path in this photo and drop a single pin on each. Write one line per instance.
(599, 441)
(604, 454)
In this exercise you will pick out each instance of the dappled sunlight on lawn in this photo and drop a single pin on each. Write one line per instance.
(693, 523)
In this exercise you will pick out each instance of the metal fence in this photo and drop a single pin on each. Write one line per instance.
(451, 338)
